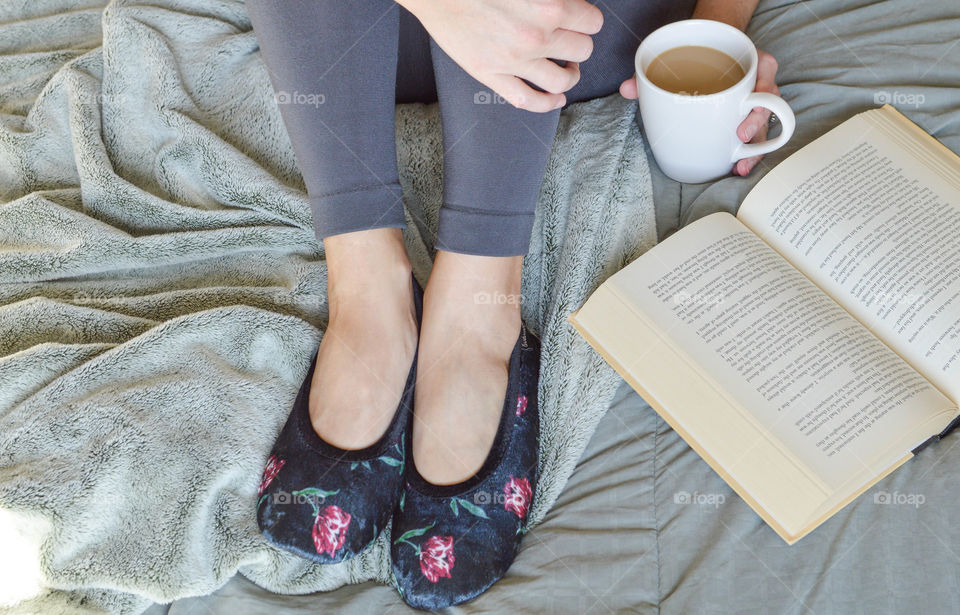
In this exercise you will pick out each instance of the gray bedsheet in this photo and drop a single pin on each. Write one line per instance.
(644, 525)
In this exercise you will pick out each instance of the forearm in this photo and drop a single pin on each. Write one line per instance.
(737, 13)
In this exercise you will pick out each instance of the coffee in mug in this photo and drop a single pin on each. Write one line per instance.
(694, 137)
(694, 70)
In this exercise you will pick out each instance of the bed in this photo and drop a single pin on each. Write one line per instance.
(624, 536)
(644, 525)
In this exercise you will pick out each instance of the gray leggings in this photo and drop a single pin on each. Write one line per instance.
(339, 66)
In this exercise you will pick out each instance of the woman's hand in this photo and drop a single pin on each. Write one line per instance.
(754, 128)
(502, 42)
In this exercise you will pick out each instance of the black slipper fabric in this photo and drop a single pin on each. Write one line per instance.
(452, 542)
(325, 503)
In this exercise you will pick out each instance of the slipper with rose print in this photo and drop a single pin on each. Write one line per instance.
(452, 542)
(325, 503)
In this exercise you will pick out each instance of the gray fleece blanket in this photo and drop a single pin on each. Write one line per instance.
(162, 295)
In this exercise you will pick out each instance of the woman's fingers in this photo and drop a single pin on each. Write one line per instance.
(550, 76)
(767, 73)
(755, 122)
(522, 96)
(569, 45)
(501, 43)
(754, 127)
(551, 43)
(745, 165)
(577, 15)
(628, 89)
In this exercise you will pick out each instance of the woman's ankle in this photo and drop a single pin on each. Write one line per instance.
(471, 325)
(366, 263)
(370, 341)
(482, 292)
(488, 272)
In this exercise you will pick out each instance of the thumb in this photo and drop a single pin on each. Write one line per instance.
(628, 89)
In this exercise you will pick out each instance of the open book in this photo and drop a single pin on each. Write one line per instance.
(809, 346)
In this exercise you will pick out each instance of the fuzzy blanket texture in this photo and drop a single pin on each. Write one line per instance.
(162, 295)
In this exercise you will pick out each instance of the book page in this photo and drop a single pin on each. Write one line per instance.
(807, 373)
(871, 213)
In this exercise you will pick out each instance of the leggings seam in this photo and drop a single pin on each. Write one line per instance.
(352, 190)
(485, 212)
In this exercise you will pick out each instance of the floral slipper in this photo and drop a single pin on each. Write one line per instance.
(325, 503)
(452, 542)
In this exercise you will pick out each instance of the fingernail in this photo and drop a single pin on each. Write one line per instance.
(751, 132)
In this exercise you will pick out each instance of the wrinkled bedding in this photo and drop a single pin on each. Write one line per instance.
(644, 525)
(162, 294)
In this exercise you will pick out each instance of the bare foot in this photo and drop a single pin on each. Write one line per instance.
(369, 344)
(471, 321)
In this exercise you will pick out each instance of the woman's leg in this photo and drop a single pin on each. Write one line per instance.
(333, 66)
(494, 156)
(494, 159)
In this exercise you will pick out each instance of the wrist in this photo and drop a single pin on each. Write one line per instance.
(736, 13)
(413, 6)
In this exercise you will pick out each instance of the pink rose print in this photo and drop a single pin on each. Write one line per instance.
(436, 557)
(330, 530)
(518, 495)
(270, 472)
(521, 404)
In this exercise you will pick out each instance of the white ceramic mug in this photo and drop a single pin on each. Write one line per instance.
(694, 138)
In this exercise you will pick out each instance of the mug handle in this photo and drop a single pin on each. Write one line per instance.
(783, 112)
